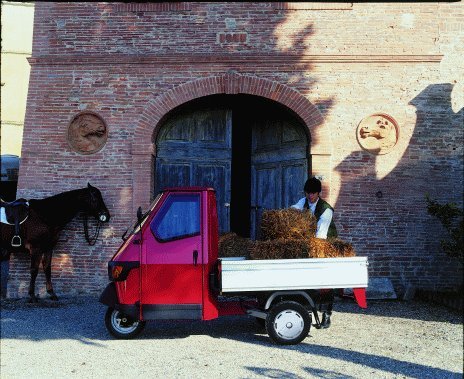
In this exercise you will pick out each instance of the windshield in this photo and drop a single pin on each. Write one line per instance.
(136, 224)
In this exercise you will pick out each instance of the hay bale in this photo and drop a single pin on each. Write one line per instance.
(322, 248)
(332, 248)
(285, 234)
(345, 249)
(300, 248)
(280, 249)
(232, 245)
(287, 224)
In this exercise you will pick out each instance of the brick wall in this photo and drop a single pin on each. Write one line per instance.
(333, 65)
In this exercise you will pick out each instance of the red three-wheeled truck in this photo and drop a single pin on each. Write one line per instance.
(168, 269)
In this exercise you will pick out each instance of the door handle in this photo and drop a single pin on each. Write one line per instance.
(195, 257)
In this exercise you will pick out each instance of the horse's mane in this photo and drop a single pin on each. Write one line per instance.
(58, 210)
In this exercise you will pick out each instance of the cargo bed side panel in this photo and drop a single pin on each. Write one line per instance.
(292, 274)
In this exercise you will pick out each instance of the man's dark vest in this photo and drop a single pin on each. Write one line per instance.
(321, 206)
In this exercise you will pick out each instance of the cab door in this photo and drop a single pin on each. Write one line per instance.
(172, 260)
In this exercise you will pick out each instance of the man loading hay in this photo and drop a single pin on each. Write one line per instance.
(320, 208)
(323, 212)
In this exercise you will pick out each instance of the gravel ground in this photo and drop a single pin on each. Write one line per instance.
(68, 339)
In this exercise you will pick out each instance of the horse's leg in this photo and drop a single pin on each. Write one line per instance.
(35, 262)
(47, 267)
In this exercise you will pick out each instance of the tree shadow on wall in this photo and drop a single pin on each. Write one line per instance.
(296, 72)
(391, 212)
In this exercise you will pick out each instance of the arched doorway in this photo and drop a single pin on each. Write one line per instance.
(252, 150)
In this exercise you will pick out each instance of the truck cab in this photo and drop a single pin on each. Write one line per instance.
(162, 269)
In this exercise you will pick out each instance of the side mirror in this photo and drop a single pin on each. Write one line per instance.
(124, 238)
(139, 215)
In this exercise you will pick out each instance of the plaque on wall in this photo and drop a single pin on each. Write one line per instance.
(87, 133)
(378, 133)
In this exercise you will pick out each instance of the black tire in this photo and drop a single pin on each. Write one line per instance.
(122, 326)
(288, 323)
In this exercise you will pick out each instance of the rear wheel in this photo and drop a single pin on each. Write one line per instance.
(288, 323)
(122, 326)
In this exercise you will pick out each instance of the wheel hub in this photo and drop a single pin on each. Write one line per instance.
(289, 324)
(122, 323)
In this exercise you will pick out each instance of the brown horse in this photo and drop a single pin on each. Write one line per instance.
(47, 217)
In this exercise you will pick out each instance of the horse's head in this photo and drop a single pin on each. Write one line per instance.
(380, 130)
(95, 204)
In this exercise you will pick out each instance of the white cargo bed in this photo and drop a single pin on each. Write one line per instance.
(239, 275)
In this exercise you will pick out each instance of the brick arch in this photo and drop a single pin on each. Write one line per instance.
(232, 83)
(229, 83)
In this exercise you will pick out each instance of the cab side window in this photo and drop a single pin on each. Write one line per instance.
(179, 217)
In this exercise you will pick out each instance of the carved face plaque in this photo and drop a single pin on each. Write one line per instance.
(378, 133)
(87, 133)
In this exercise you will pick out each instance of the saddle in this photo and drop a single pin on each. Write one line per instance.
(14, 213)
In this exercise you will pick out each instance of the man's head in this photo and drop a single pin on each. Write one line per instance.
(312, 188)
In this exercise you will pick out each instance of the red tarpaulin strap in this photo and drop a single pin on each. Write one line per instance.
(360, 297)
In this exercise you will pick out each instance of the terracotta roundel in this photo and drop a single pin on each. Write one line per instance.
(87, 133)
(378, 133)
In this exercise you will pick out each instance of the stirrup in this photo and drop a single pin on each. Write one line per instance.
(16, 241)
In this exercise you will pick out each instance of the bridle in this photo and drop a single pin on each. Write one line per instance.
(91, 240)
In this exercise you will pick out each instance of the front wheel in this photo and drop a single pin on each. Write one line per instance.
(288, 323)
(122, 326)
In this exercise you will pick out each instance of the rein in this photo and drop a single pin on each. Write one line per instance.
(91, 240)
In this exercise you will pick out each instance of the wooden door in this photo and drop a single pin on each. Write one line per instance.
(279, 164)
(194, 149)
